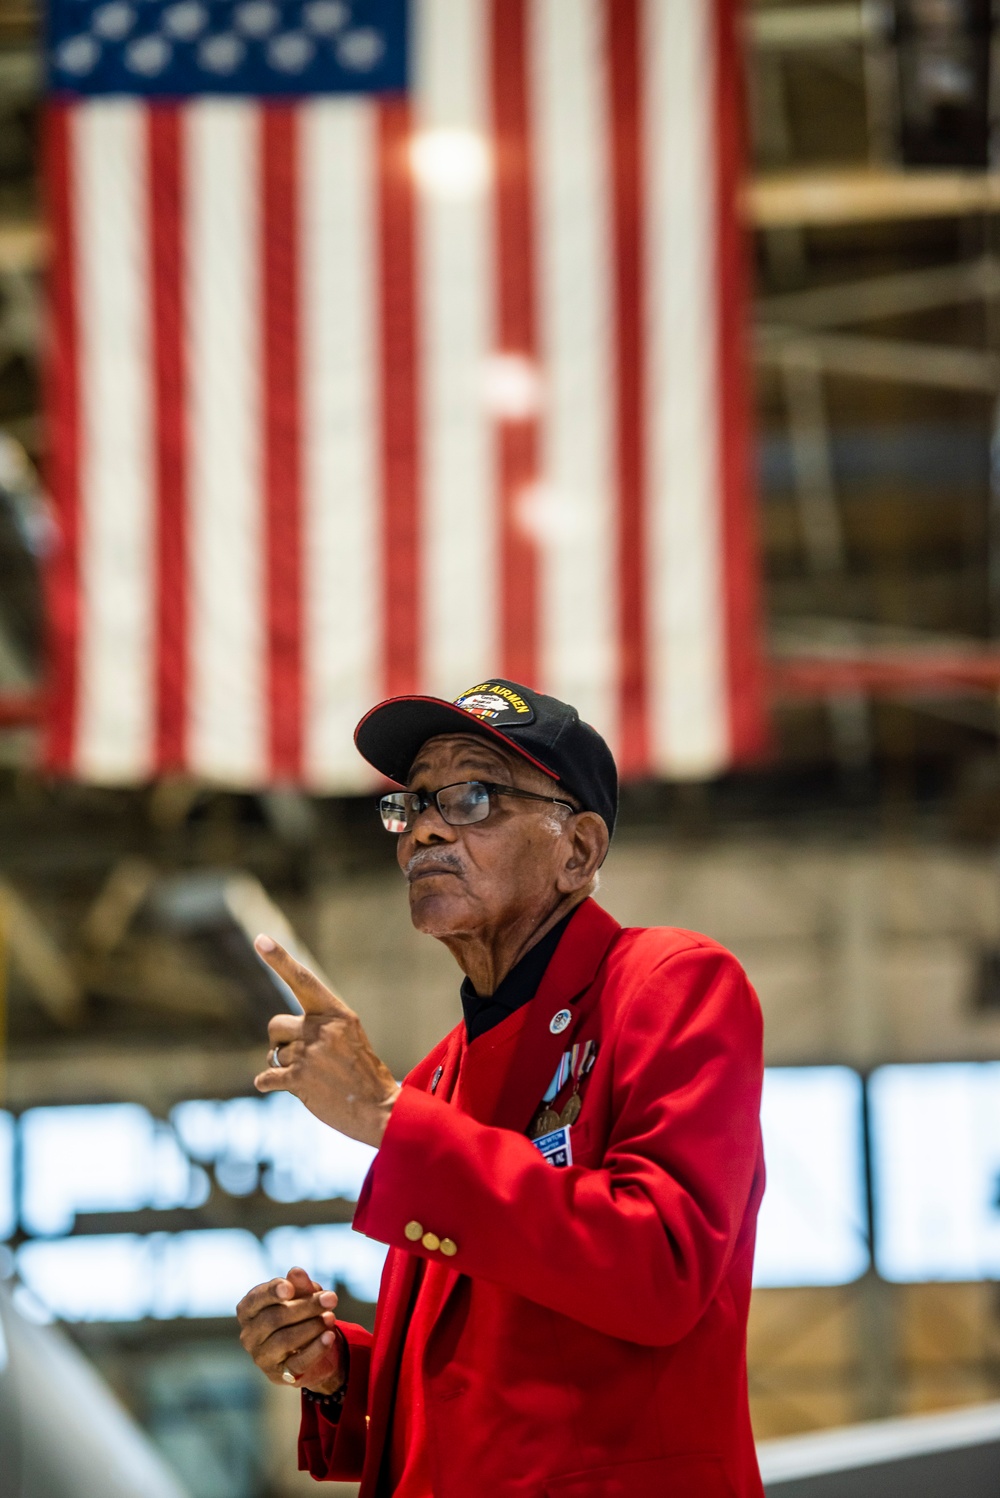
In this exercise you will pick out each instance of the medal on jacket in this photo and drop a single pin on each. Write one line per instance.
(582, 1058)
(545, 1122)
(571, 1112)
(575, 1064)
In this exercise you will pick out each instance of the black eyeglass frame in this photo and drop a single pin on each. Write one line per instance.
(423, 800)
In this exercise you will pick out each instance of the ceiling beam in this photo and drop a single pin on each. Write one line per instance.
(782, 200)
(20, 709)
(885, 673)
(808, 26)
(900, 294)
(158, 1076)
(895, 360)
(40, 961)
(257, 1212)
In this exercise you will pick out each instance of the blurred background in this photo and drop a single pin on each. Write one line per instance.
(836, 823)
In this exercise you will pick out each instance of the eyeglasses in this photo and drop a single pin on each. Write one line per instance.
(460, 805)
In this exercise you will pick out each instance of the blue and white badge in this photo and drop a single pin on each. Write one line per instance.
(555, 1148)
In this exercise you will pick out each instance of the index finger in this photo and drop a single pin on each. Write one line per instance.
(312, 994)
(302, 1282)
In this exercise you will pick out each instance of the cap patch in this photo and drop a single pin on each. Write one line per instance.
(494, 703)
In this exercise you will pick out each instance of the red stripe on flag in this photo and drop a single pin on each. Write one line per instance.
(400, 437)
(63, 446)
(165, 148)
(516, 333)
(747, 723)
(282, 437)
(627, 155)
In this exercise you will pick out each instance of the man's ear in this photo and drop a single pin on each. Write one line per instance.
(588, 838)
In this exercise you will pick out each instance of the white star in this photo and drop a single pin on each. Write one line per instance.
(113, 21)
(185, 20)
(325, 17)
(256, 17)
(360, 50)
(148, 55)
(77, 54)
(290, 52)
(222, 53)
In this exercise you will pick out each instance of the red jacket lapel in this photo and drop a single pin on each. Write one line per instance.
(445, 1056)
(569, 976)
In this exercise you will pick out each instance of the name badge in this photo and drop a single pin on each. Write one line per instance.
(556, 1148)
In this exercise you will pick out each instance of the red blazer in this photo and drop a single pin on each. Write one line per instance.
(592, 1343)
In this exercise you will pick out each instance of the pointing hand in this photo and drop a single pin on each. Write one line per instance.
(326, 1058)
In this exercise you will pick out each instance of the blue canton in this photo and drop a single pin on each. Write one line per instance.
(178, 48)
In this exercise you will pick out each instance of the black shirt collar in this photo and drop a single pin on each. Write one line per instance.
(518, 988)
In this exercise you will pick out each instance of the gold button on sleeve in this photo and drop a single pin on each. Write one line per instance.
(414, 1230)
(449, 1248)
(431, 1241)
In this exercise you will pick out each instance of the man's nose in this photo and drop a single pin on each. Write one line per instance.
(429, 827)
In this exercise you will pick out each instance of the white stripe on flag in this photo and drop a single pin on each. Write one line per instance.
(459, 543)
(688, 701)
(576, 510)
(227, 620)
(340, 429)
(110, 209)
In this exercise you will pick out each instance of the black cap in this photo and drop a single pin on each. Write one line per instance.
(546, 732)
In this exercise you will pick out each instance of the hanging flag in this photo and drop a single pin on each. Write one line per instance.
(394, 346)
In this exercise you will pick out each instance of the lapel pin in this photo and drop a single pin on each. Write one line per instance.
(559, 1021)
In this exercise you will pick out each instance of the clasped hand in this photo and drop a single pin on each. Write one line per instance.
(289, 1328)
(326, 1058)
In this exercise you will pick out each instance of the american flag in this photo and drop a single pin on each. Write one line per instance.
(393, 347)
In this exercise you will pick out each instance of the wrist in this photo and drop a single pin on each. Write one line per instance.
(334, 1385)
(329, 1405)
(327, 1388)
(384, 1115)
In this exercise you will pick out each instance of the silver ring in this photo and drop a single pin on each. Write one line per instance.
(274, 1059)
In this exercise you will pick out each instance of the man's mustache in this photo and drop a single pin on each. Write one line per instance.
(443, 860)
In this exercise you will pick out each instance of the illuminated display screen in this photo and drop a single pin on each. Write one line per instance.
(119, 1158)
(936, 1170)
(125, 1276)
(812, 1228)
(298, 1158)
(8, 1216)
(111, 1158)
(935, 1161)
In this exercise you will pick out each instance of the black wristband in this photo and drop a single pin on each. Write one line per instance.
(326, 1401)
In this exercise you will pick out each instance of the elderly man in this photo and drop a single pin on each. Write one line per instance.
(568, 1183)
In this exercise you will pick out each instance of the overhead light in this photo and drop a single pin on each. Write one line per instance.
(512, 386)
(450, 163)
(547, 515)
